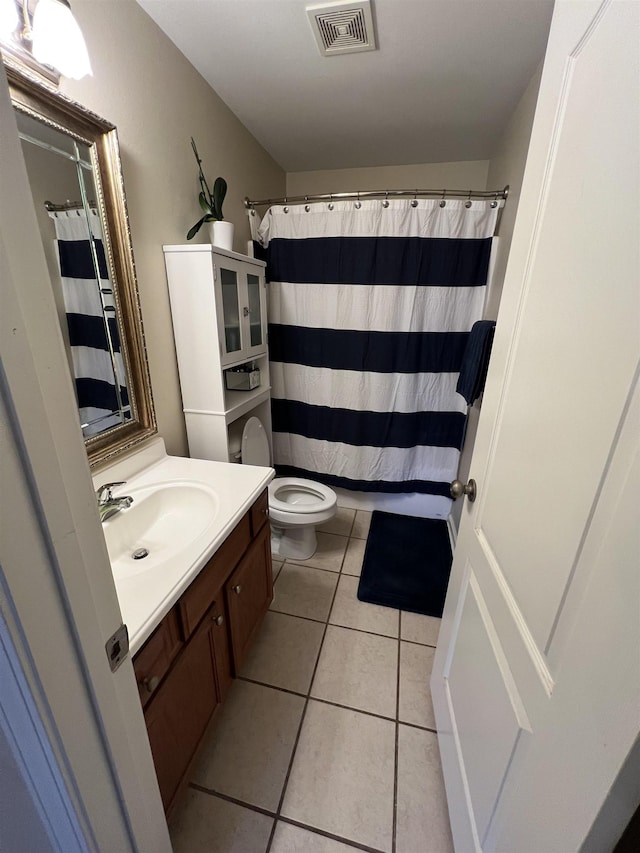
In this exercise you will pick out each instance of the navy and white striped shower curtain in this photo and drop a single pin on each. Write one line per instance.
(370, 309)
(93, 369)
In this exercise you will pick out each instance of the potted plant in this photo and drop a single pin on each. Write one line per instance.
(211, 205)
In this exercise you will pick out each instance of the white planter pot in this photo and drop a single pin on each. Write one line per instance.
(222, 234)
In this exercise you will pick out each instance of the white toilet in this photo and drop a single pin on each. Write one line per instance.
(296, 506)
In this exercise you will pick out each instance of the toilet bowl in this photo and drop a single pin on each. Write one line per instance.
(296, 505)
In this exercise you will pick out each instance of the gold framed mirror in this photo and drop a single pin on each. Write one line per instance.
(74, 169)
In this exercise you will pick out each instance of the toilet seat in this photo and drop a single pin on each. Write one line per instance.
(302, 497)
(255, 444)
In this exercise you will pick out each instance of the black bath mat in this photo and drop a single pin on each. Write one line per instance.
(407, 562)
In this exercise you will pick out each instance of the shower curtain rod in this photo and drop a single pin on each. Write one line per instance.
(68, 205)
(442, 194)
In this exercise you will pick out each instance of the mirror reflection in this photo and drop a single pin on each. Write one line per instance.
(73, 163)
(62, 183)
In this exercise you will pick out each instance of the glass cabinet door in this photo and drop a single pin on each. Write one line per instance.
(255, 310)
(230, 310)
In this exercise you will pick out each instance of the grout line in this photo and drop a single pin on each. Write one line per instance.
(397, 737)
(297, 616)
(321, 700)
(302, 718)
(269, 813)
(323, 832)
(417, 726)
(416, 643)
(228, 798)
(290, 563)
(271, 686)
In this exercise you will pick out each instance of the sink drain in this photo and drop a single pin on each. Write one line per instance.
(140, 554)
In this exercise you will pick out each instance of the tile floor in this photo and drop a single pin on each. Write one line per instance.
(326, 742)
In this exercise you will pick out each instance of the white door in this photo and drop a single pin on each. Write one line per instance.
(536, 680)
(75, 730)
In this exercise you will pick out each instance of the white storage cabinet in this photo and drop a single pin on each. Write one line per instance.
(218, 307)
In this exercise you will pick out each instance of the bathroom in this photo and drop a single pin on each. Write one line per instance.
(159, 178)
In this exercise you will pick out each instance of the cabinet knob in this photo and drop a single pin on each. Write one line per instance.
(265, 511)
(151, 683)
(218, 620)
(237, 588)
(245, 312)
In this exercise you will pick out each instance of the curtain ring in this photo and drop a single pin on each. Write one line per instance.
(443, 203)
(330, 205)
(307, 207)
(358, 205)
(385, 203)
(467, 203)
(252, 212)
(285, 209)
(494, 203)
(414, 203)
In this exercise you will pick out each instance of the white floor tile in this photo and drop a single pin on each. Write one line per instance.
(422, 816)
(285, 652)
(358, 670)
(304, 591)
(341, 522)
(294, 839)
(329, 554)
(247, 754)
(342, 776)
(349, 612)
(361, 524)
(353, 558)
(419, 629)
(416, 663)
(207, 823)
(277, 566)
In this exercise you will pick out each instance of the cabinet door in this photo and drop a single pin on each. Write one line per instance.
(249, 591)
(230, 300)
(255, 312)
(178, 714)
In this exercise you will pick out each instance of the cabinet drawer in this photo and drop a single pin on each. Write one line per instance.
(203, 591)
(156, 656)
(259, 512)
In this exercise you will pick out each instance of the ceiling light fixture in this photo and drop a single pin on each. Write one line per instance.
(50, 34)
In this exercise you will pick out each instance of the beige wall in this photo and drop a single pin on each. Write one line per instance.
(505, 167)
(465, 175)
(146, 87)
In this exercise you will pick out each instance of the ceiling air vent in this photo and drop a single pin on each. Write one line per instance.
(342, 27)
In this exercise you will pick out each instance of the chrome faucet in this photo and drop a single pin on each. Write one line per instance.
(107, 504)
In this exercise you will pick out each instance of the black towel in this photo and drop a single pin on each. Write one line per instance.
(475, 361)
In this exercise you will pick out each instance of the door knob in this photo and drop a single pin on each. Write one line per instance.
(151, 683)
(458, 489)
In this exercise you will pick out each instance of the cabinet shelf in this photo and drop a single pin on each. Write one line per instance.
(238, 403)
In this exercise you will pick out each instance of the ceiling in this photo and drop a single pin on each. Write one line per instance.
(441, 87)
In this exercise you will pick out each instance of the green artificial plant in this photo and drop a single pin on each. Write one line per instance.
(210, 202)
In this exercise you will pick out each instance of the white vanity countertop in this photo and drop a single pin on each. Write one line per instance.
(147, 594)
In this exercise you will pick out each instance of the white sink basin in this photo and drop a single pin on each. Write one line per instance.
(164, 520)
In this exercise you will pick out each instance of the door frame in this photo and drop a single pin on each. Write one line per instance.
(58, 597)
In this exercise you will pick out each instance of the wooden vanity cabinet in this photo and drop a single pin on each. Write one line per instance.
(186, 667)
(248, 592)
(178, 715)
